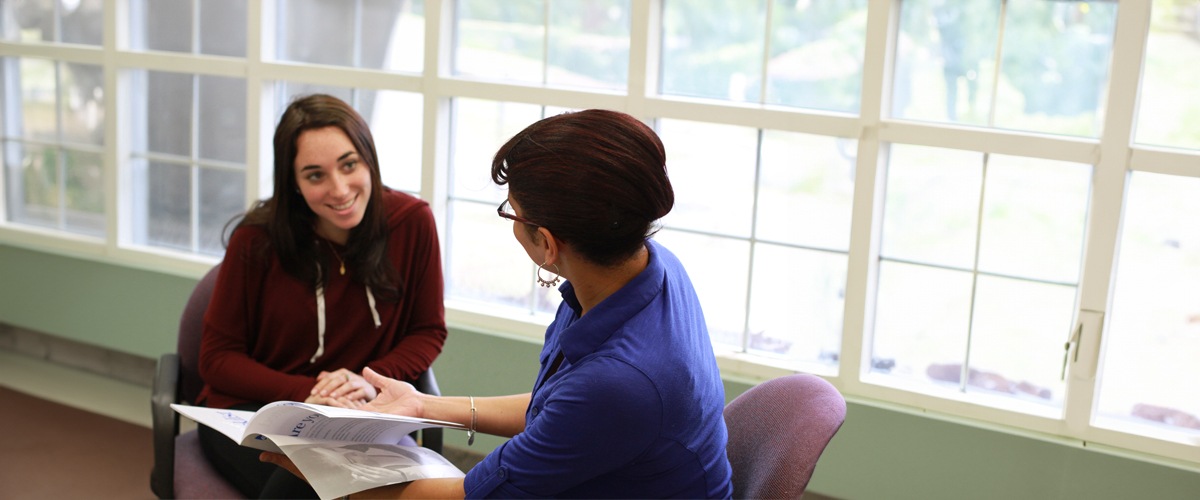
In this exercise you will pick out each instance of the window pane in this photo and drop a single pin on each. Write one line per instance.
(589, 43)
(806, 189)
(1150, 375)
(1169, 106)
(82, 21)
(817, 51)
(222, 196)
(167, 24)
(480, 128)
(38, 109)
(222, 107)
(397, 126)
(168, 206)
(719, 270)
(932, 205)
(714, 52)
(85, 193)
(946, 60)
(383, 34)
(83, 103)
(223, 27)
(486, 261)
(1055, 66)
(796, 303)
(317, 31)
(1033, 218)
(712, 171)
(35, 198)
(168, 113)
(503, 40)
(393, 35)
(33, 20)
(1017, 339)
(921, 322)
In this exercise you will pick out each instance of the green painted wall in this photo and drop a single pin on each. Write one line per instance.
(116, 307)
(878, 454)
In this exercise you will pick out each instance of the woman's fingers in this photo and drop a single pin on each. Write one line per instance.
(331, 382)
(375, 379)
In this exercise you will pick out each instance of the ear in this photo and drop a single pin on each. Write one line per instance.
(551, 245)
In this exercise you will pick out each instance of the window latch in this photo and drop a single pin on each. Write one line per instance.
(1072, 339)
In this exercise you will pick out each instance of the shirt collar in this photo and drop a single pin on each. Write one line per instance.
(585, 335)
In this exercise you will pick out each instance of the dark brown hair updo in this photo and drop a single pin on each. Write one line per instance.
(289, 222)
(596, 179)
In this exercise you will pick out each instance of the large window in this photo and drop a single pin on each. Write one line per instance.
(923, 201)
(979, 265)
(54, 143)
(187, 165)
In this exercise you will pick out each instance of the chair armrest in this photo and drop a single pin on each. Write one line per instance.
(166, 425)
(426, 383)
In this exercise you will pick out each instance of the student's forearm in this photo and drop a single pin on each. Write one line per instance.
(421, 488)
(499, 415)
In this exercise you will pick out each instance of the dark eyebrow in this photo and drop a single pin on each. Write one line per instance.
(340, 158)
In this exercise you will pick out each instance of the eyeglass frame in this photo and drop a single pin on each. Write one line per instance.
(513, 217)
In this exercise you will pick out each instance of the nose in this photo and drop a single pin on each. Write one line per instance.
(341, 185)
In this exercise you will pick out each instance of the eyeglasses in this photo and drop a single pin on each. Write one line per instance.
(504, 211)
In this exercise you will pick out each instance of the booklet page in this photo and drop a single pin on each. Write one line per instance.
(339, 468)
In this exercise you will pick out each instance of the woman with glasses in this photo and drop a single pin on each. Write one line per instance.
(628, 401)
(332, 274)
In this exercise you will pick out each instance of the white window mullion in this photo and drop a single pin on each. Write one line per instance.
(866, 219)
(758, 161)
(545, 43)
(965, 373)
(260, 19)
(59, 153)
(435, 136)
(195, 27)
(766, 57)
(1104, 211)
(118, 206)
(645, 39)
(356, 43)
(194, 170)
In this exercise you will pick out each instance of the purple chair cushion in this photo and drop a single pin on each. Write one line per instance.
(194, 476)
(777, 431)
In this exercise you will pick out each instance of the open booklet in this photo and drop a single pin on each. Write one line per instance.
(340, 451)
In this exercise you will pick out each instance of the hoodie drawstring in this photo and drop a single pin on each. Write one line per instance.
(321, 317)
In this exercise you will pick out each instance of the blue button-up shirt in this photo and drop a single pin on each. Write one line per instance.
(634, 410)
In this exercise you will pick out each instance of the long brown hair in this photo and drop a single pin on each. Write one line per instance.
(289, 222)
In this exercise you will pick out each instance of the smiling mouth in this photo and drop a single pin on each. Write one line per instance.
(348, 204)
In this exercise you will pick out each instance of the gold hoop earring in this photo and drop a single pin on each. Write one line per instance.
(545, 282)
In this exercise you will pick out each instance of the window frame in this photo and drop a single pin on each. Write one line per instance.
(1112, 154)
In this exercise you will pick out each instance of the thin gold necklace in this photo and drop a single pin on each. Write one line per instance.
(339, 257)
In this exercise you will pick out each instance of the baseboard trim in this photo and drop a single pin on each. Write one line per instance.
(117, 365)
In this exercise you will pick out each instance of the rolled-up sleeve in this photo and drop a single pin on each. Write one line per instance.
(593, 420)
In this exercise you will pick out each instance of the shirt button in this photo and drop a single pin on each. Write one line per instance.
(535, 411)
(500, 473)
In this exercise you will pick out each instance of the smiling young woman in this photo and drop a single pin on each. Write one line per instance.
(332, 274)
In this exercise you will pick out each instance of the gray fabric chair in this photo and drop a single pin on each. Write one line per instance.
(777, 431)
(180, 468)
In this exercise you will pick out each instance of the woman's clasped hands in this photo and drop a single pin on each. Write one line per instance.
(341, 388)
